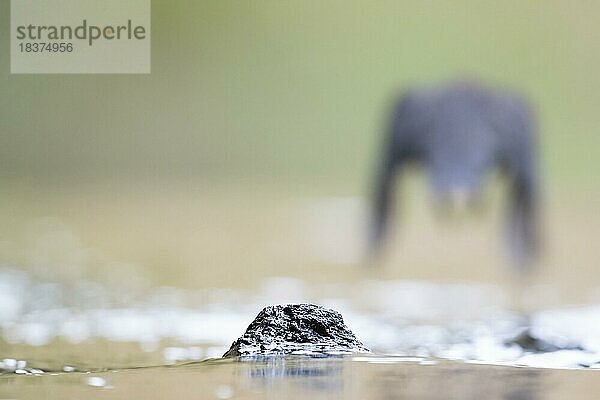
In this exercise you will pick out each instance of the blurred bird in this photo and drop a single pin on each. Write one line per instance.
(458, 132)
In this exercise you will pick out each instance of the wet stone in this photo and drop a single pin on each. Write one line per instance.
(302, 329)
(530, 342)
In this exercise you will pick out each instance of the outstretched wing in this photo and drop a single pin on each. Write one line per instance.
(518, 143)
(399, 146)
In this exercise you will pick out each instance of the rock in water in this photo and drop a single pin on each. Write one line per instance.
(296, 329)
(528, 341)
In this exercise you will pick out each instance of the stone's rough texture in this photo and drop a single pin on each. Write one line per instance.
(296, 329)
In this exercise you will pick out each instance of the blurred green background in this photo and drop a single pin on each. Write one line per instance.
(191, 175)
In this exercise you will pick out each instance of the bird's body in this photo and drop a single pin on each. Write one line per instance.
(458, 133)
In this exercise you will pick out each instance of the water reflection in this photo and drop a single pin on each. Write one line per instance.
(324, 374)
(364, 377)
(386, 378)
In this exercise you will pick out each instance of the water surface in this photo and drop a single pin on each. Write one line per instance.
(359, 377)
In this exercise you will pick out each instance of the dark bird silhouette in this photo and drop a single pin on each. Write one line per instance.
(459, 132)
